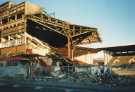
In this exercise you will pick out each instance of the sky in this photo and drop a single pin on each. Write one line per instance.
(114, 19)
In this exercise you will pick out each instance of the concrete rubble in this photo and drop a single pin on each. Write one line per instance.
(54, 67)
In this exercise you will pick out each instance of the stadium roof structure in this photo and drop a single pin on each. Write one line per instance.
(27, 26)
(120, 48)
(57, 36)
(111, 48)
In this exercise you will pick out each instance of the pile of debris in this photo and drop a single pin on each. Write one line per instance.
(34, 66)
(54, 67)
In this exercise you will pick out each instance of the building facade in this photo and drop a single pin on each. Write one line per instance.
(13, 29)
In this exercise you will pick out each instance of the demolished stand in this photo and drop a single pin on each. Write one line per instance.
(25, 28)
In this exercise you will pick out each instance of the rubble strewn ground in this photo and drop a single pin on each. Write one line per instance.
(62, 73)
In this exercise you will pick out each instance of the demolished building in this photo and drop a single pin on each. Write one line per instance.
(26, 28)
(30, 36)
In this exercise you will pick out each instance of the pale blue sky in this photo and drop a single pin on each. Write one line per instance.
(115, 19)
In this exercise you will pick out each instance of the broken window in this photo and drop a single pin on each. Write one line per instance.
(4, 21)
(19, 16)
(12, 18)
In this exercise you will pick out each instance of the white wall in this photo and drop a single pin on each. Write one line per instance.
(107, 57)
(90, 57)
(87, 58)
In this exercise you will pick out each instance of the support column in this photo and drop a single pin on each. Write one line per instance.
(25, 39)
(73, 49)
(16, 17)
(69, 47)
(25, 34)
(9, 38)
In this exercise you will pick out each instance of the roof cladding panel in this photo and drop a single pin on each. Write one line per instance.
(120, 48)
(46, 34)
